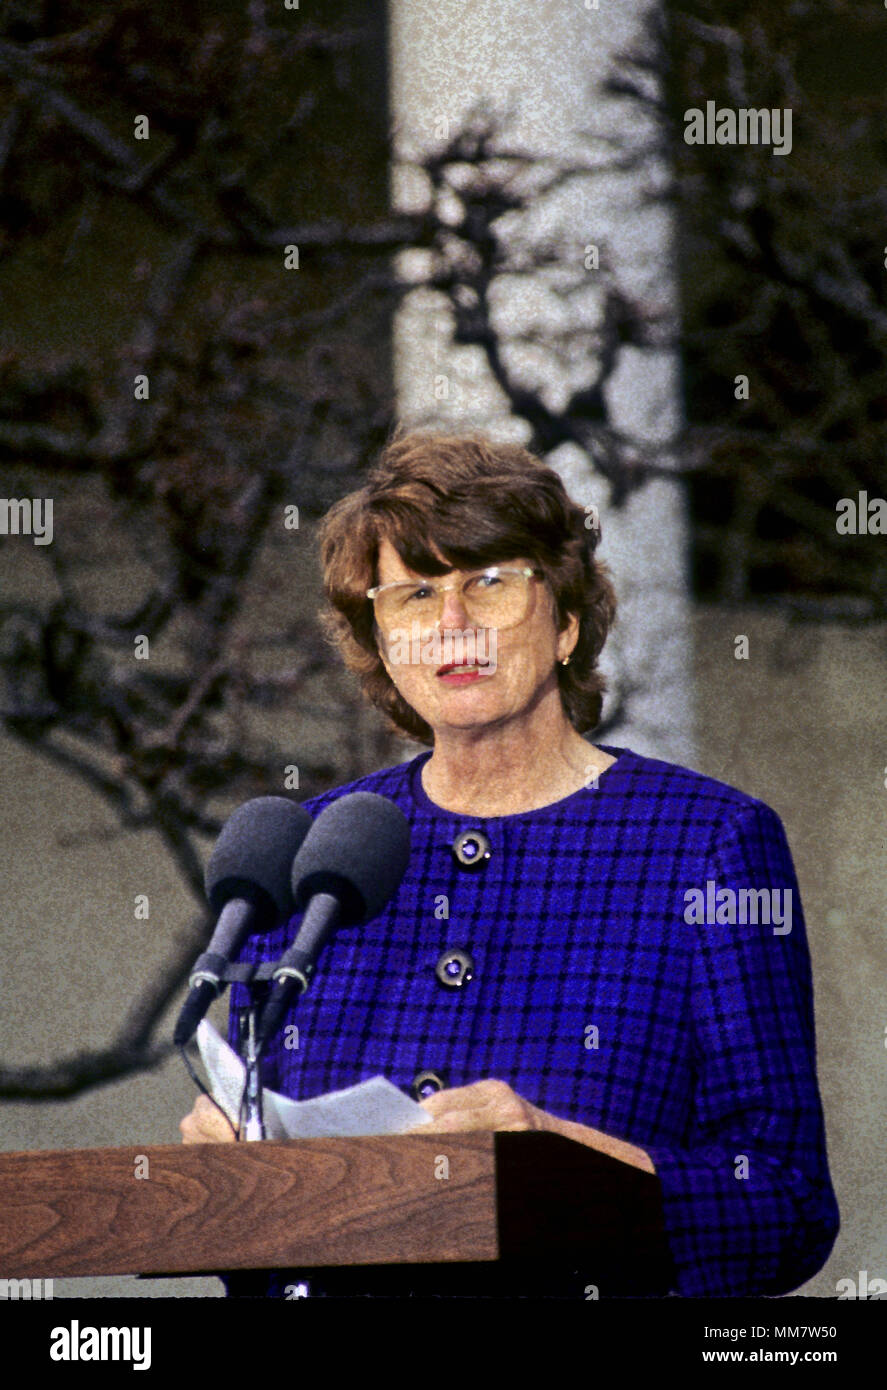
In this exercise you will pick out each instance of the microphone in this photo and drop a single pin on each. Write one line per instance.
(350, 864)
(248, 884)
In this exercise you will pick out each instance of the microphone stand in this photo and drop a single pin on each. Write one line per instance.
(250, 1043)
(252, 1125)
(253, 1122)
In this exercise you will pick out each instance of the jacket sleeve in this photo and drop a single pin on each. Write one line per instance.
(748, 1203)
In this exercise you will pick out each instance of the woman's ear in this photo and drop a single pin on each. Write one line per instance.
(568, 637)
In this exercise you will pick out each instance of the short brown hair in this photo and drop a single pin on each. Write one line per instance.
(477, 503)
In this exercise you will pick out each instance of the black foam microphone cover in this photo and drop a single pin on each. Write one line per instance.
(358, 850)
(351, 862)
(247, 883)
(253, 857)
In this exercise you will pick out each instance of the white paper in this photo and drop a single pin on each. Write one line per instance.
(371, 1107)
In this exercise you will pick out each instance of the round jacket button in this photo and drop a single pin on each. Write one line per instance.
(425, 1083)
(454, 968)
(471, 849)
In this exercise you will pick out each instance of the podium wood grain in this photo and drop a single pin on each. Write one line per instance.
(207, 1207)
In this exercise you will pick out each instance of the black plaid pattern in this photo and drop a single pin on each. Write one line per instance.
(704, 1051)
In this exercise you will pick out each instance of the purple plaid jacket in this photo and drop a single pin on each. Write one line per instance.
(596, 1000)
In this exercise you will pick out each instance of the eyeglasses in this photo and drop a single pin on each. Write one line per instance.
(496, 597)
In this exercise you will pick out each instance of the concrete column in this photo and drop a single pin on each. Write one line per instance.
(545, 64)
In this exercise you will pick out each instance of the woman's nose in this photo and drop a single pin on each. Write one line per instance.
(453, 612)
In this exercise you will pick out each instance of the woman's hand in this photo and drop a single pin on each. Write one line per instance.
(206, 1124)
(486, 1104)
(492, 1104)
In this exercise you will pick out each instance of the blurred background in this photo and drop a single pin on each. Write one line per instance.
(238, 243)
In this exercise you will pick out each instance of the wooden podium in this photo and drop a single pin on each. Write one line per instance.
(412, 1199)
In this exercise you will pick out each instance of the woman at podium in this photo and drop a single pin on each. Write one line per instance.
(587, 940)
